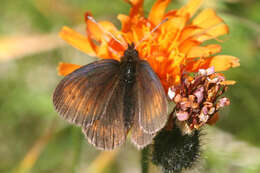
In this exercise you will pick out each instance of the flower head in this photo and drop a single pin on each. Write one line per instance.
(197, 99)
(173, 49)
(182, 152)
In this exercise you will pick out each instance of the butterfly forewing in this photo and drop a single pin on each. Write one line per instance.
(151, 102)
(92, 97)
(80, 95)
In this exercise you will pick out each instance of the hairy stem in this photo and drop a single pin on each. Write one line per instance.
(145, 160)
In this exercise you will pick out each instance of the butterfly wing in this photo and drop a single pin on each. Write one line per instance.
(110, 130)
(151, 102)
(90, 97)
(139, 137)
(76, 95)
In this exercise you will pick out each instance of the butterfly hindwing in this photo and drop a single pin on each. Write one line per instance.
(139, 137)
(151, 102)
(109, 131)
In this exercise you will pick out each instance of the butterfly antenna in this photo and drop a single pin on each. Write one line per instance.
(152, 31)
(105, 31)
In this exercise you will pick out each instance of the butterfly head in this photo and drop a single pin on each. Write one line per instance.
(130, 54)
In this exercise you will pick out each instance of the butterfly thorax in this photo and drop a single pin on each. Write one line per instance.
(128, 64)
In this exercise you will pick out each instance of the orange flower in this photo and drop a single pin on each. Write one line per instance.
(174, 48)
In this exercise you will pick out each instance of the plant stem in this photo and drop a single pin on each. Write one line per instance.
(76, 135)
(144, 160)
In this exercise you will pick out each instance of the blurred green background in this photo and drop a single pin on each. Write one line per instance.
(34, 139)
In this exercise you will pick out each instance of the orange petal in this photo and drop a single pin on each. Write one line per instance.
(207, 25)
(171, 13)
(77, 40)
(228, 82)
(93, 30)
(125, 24)
(190, 8)
(171, 31)
(203, 51)
(188, 32)
(157, 12)
(66, 68)
(186, 45)
(140, 30)
(99, 32)
(220, 63)
(206, 19)
(213, 32)
(195, 65)
(104, 51)
(136, 11)
(223, 62)
(137, 8)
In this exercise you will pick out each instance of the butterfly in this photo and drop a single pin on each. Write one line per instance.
(109, 98)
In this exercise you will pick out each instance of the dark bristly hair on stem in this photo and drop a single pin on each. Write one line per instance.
(174, 151)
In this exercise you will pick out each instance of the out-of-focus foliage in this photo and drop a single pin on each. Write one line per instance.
(27, 83)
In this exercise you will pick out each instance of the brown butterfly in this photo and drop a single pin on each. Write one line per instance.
(109, 98)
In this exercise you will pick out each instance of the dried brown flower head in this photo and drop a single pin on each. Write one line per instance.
(198, 99)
